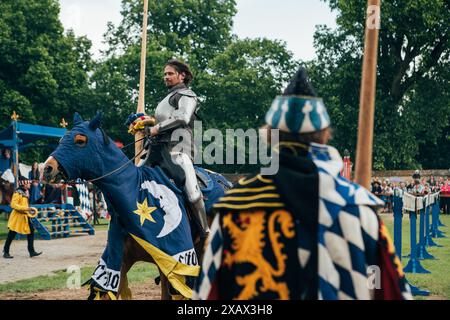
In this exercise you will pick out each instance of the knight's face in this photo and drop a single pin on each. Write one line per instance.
(172, 77)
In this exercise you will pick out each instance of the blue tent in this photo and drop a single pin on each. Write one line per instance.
(23, 135)
(19, 136)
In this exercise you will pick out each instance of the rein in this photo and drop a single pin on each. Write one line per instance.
(121, 167)
(71, 182)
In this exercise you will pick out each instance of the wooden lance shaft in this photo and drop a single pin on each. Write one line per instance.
(141, 102)
(363, 168)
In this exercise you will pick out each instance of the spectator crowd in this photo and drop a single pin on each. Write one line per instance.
(416, 185)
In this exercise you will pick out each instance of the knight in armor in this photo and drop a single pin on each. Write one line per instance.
(306, 232)
(176, 111)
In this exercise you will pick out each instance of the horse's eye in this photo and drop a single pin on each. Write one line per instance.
(80, 140)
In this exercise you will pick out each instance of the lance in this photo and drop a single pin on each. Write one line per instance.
(141, 101)
(363, 168)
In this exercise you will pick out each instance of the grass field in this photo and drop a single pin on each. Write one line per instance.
(438, 282)
(3, 228)
(139, 272)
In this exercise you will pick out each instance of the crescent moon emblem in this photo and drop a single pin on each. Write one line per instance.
(168, 203)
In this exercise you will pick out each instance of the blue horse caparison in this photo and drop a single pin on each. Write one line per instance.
(142, 203)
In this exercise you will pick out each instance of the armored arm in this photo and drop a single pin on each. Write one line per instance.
(180, 117)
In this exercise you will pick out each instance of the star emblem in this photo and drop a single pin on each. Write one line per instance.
(144, 211)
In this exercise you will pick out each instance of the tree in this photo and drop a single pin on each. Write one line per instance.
(197, 29)
(240, 86)
(413, 77)
(193, 30)
(116, 82)
(242, 82)
(43, 72)
(236, 80)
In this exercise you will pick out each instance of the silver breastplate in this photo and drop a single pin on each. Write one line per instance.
(164, 110)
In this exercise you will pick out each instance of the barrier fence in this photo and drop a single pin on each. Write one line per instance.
(426, 207)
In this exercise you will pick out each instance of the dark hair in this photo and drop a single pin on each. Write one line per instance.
(181, 67)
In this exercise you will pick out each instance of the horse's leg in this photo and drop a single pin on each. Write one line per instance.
(124, 291)
(133, 253)
(165, 293)
(142, 255)
(128, 261)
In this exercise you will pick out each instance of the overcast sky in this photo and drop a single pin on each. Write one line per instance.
(293, 21)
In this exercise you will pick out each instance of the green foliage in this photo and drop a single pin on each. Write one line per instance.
(46, 75)
(193, 30)
(116, 83)
(43, 72)
(412, 85)
(197, 29)
(242, 81)
(139, 273)
(239, 87)
(236, 80)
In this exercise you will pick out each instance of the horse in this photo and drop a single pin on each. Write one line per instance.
(86, 152)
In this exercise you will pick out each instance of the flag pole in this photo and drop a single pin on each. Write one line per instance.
(363, 168)
(141, 102)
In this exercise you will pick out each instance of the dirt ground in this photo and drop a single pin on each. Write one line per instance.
(144, 291)
(59, 254)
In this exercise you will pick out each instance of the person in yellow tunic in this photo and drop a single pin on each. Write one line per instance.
(19, 221)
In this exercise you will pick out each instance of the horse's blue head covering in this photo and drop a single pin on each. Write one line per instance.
(91, 159)
(298, 110)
